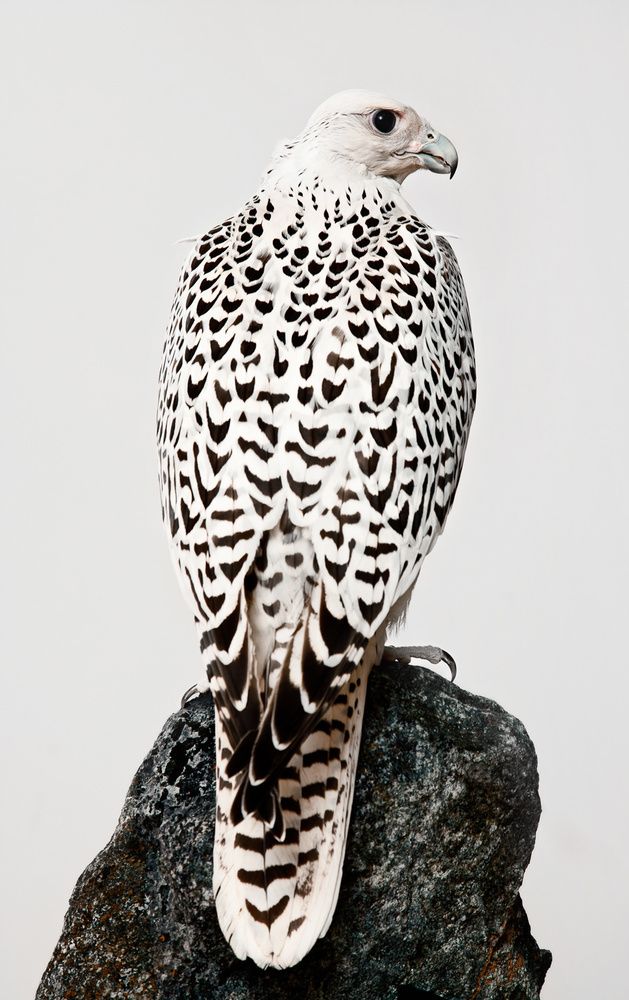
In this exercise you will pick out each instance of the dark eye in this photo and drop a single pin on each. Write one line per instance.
(384, 121)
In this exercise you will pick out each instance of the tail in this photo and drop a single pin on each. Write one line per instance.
(275, 898)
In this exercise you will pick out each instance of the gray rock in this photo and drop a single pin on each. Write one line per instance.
(444, 823)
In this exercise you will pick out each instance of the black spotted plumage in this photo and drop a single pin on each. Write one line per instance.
(316, 393)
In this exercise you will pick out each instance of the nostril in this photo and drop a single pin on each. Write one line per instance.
(430, 135)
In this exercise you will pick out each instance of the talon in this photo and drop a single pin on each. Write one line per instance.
(191, 693)
(433, 654)
(450, 662)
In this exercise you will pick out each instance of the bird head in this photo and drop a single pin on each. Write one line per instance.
(388, 138)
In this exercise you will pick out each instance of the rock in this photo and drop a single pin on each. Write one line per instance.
(444, 823)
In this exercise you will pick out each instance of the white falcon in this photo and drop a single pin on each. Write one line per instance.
(316, 394)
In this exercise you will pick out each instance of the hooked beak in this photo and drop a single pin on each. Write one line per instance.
(439, 155)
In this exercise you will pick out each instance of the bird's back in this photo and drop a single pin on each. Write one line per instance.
(316, 394)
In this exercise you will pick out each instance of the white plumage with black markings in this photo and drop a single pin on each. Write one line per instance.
(316, 393)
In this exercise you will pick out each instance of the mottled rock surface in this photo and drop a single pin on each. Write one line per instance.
(444, 823)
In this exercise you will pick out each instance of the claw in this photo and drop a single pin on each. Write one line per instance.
(450, 662)
(433, 654)
(191, 693)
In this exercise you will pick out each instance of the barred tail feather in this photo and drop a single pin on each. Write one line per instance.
(274, 899)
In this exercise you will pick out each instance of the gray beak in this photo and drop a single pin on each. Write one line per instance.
(439, 155)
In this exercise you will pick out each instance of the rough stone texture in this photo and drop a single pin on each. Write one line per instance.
(443, 827)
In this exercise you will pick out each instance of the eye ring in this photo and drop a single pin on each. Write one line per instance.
(384, 120)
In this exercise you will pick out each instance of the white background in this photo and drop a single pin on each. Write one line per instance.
(126, 126)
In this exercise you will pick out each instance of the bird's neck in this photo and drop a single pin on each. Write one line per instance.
(308, 164)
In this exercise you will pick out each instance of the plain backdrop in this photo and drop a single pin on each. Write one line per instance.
(126, 126)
